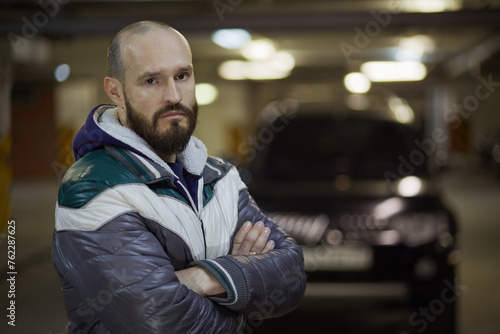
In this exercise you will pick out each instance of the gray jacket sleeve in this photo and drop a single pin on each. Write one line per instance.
(265, 285)
(119, 279)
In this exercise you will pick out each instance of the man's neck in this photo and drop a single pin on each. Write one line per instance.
(167, 157)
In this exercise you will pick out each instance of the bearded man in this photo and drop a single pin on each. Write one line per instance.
(152, 235)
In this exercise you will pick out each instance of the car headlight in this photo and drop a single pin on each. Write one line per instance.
(410, 186)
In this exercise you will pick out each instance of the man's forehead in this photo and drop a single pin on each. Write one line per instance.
(153, 37)
(155, 47)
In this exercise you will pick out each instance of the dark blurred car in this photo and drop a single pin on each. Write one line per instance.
(353, 189)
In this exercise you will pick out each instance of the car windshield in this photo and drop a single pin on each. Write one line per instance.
(323, 147)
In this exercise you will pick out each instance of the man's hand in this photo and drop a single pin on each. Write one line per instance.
(251, 240)
(200, 281)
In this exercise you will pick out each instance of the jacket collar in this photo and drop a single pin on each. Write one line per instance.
(150, 172)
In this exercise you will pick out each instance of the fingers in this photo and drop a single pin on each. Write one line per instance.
(269, 246)
(252, 239)
(239, 238)
(261, 234)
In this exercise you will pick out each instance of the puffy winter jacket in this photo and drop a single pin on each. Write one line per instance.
(125, 223)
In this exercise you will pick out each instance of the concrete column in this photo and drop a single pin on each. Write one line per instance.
(74, 99)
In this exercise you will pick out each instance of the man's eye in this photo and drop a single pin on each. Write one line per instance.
(150, 81)
(182, 76)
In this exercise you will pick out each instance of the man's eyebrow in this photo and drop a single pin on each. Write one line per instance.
(149, 74)
(186, 68)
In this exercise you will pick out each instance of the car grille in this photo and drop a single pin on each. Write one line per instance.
(412, 229)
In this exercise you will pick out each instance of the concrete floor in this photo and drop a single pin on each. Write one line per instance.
(473, 193)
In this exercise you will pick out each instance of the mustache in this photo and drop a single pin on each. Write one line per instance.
(178, 107)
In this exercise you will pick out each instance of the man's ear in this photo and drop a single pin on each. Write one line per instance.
(114, 89)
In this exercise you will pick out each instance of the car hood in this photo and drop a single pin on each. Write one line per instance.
(320, 196)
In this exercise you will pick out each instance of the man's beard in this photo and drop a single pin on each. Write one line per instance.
(171, 141)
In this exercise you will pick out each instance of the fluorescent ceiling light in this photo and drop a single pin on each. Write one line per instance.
(431, 6)
(62, 72)
(232, 70)
(260, 49)
(418, 42)
(413, 48)
(357, 83)
(428, 6)
(253, 70)
(388, 71)
(264, 70)
(278, 67)
(206, 93)
(284, 61)
(231, 38)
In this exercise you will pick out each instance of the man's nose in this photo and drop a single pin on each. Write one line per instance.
(172, 94)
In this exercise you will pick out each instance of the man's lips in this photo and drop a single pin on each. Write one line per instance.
(173, 114)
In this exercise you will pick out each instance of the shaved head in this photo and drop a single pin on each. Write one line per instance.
(116, 66)
(151, 81)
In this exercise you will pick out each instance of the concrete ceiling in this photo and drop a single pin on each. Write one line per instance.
(313, 31)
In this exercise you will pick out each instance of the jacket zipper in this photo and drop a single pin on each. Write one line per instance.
(197, 212)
